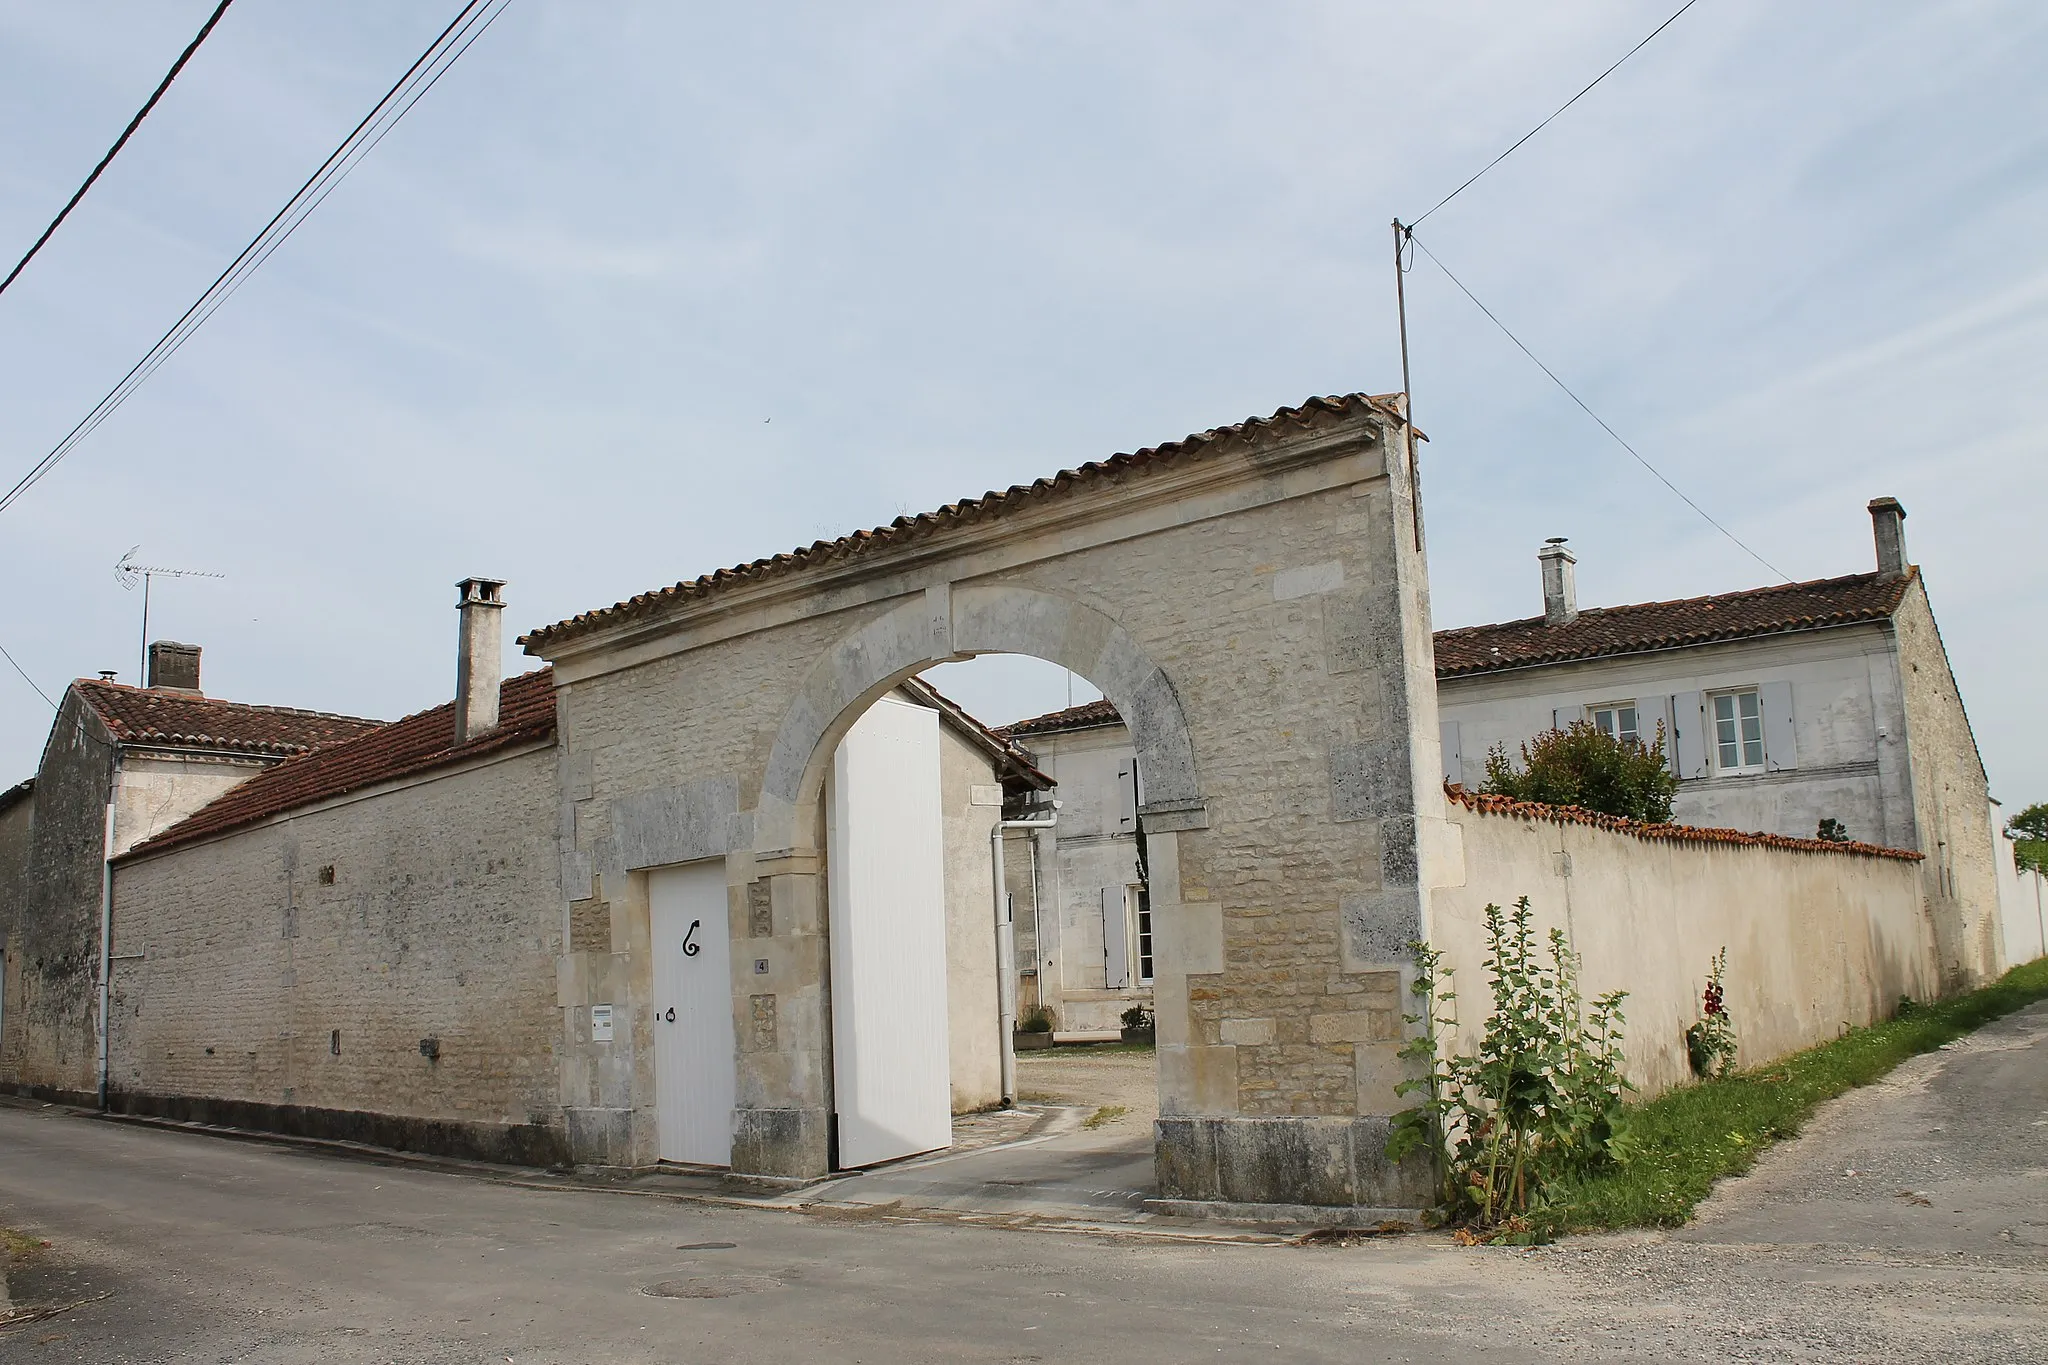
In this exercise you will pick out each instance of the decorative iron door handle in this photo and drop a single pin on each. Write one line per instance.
(691, 949)
(671, 1015)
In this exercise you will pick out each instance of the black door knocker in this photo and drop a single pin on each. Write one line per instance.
(690, 949)
(671, 1016)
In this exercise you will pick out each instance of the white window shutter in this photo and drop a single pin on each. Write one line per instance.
(1454, 759)
(1116, 943)
(1126, 799)
(1689, 721)
(1563, 717)
(1652, 712)
(1781, 737)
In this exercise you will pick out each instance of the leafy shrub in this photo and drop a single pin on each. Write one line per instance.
(1040, 1020)
(1541, 1099)
(1832, 831)
(1137, 1016)
(2029, 832)
(1581, 766)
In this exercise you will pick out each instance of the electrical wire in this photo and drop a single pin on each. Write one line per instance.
(469, 24)
(1584, 407)
(1560, 109)
(119, 142)
(27, 679)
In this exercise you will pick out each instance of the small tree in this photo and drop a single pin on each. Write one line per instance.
(1582, 766)
(2029, 833)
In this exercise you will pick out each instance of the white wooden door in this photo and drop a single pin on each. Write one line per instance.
(890, 1064)
(693, 1040)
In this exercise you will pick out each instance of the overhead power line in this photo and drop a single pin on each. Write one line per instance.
(1618, 439)
(27, 679)
(1559, 110)
(120, 141)
(470, 24)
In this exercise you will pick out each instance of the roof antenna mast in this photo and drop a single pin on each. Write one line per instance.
(127, 573)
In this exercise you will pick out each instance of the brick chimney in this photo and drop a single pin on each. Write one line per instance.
(173, 667)
(1560, 583)
(1888, 525)
(479, 656)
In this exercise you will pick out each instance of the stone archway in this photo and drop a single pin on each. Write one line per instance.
(1253, 600)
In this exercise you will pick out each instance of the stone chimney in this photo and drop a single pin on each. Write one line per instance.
(479, 657)
(173, 667)
(1888, 525)
(1560, 583)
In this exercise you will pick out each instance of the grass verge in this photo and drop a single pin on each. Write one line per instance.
(1685, 1140)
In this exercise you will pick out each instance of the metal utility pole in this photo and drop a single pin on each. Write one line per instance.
(1401, 236)
(126, 573)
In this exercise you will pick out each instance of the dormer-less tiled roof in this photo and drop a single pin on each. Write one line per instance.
(1066, 483)
(416, 744)
(1646, 626)
(185, 720)
(1087, 716)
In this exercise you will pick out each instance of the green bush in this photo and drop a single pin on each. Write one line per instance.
(1040, 1020)
(1581, 766)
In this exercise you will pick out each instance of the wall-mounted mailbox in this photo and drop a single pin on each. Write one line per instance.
(600, 1023)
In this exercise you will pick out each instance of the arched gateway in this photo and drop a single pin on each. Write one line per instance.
(1252, 600)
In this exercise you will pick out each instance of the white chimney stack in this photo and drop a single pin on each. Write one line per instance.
(1560, 583)
(479, 657)
(1888, 525)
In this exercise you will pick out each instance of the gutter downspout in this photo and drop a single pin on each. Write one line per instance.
(1006, 950)
(106, 945)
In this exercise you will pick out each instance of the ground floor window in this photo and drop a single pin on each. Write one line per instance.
(1141, 912)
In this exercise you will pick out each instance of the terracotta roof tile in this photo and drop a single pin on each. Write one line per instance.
(1683, 834)
(1086, 716)
(156, 716)
(991, 504)
(1601, 631)
(416, 744)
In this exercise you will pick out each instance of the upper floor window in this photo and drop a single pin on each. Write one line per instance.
(1738, 731)
(1616, 720)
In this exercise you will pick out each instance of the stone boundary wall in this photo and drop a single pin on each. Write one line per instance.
(377, 969)
(1821, 937)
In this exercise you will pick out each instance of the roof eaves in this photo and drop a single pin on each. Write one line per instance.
(906, 529)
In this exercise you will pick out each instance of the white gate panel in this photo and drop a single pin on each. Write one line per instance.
(890, 1066)
(693, 1039)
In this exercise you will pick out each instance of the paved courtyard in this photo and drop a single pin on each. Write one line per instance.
(1909, 1223)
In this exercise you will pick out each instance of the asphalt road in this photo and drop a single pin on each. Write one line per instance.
(210, 1250)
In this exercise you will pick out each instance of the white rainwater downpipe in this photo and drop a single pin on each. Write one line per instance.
(1006, 949)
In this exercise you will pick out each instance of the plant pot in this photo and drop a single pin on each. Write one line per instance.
(1031, 1042)
(1148, 1036)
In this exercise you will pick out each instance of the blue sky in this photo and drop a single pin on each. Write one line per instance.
(641, 290)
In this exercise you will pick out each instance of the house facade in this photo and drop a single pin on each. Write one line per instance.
(1086, 947)
(121, 765)
(1792, 709)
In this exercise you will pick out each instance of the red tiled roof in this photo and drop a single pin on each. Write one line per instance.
(1601, 631)
(416, 744)
(992, 504)
(1683, 834)
(1082, 717)
(994, 742)
(146, 715)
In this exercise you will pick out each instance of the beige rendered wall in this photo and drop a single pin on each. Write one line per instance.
(972, 801)
(2022, 903)
(428, 910)
(1817, 941)
(1951, 798)
(153, 791)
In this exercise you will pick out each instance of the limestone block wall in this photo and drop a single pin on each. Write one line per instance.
(1952, 799)
(52, 924)
(288, 972)
(1817, 941)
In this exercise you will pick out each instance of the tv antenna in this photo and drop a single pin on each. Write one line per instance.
(127, 573)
